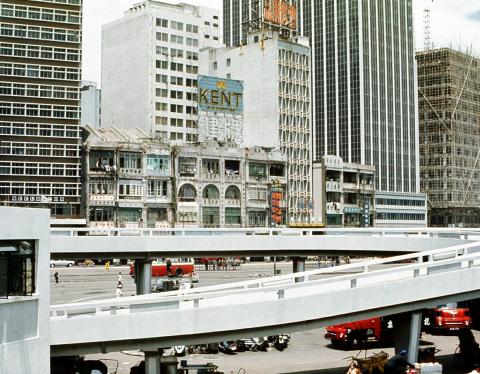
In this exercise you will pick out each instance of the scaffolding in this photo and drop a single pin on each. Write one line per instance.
(449, 126)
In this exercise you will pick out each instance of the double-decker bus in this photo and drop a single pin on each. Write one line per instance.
(179, 267)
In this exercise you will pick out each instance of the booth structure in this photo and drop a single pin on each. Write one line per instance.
(24, 290)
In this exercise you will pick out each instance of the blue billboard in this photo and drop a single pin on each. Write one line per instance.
(220, 95)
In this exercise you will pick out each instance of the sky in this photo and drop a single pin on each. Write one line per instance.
(453, 23)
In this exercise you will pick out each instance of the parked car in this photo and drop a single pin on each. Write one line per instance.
(67, 263)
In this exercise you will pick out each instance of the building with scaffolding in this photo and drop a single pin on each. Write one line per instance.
(449, 114)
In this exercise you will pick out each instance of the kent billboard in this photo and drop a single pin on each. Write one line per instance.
(220, 95)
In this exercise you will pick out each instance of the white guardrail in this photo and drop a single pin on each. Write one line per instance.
(349, 276)
(374, 232)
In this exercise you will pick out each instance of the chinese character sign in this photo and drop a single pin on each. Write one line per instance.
(224, 128)
(276, 199)
(281, 13)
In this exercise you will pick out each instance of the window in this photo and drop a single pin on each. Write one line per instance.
(157, 163)
(162, 22)
(192, 56)
(17, 264)
(215, 65)
(210, 192)
(192, 28)
(187, 193)
(176, 67)
(192, 42)
(176, 25)
(157, 188)
(162, 36)
(211, 216)
(161, 92)
(129, 215)
(130, 160)
(161, 107)
(233, 216)
(257, 170)
(232, 193)
(101, 214)
(176, 39)
(229, 62)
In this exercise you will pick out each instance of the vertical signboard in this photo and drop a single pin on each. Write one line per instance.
(366, 212)
(276, 199)
(280, 13)
(220, 109)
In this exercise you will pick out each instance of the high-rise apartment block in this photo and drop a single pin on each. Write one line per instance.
(40, 72)
(449, 113)
(150, 67)
(276, 99)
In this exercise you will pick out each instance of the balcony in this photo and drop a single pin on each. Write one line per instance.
(350, 186)
(232, 175)
(332, 186)
(334, 208)
(232, 202)
(257, 204)
(129, 225)
(210, 202)
(210, 176)
(101, 225)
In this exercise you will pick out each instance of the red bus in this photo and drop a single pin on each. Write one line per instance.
(179, 267)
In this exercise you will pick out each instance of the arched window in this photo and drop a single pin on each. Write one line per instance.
(187, 193)
(232, 193)
(211, 192)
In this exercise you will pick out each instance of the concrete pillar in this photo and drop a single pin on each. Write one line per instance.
(152, 362)
(298, 267)
(143, 276)
(407, 329)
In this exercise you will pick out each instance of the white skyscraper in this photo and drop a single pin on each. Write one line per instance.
(276, 76)
(150, 68)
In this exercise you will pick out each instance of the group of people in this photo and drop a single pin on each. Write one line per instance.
(220, 264)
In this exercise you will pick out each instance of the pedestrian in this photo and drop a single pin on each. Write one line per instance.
(120, 279)
(169, 266)
(206, 264)
(107, 266)
(398, 364)
(118, 292)
(56, 277)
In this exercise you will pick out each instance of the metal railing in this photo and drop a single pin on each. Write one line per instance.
(349, 276)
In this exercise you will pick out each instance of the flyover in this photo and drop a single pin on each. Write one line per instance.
(152, 243)
(266, 306)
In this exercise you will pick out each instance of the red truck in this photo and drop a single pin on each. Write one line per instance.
(444, 319)
(179, 267)
(352, 334)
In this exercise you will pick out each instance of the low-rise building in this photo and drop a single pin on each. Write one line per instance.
(133, 180)
(127, 179)
(343, 193)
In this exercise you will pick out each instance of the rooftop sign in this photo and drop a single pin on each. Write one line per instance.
(219, 95)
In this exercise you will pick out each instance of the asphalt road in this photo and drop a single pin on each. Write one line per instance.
(308, 351)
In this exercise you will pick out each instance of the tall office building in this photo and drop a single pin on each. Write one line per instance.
(40, 72)
(150, 68)
(449, 113)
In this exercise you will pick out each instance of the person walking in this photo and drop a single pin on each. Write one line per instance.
(120, 280)
(169, 267)
(56, 277)
(107, 266)
(118, 292)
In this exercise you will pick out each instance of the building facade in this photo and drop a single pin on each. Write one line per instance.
(133, 180)
(276, 99)
(150, 61)
(91, 104)
(40, 73)
(364, 86)
(343, 193)
(449, 114)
